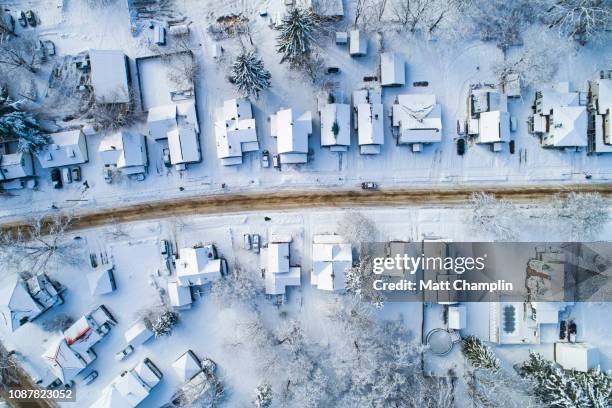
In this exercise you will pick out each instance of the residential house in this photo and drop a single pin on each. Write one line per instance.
(235, 131)
(358, 43)
(126, 151)
(22, 301)
(560, 117)
(130, 388)
(418, 118)
(327, 9)
(187, 366)
(600, 109)
(335, 126)
(65, 149)
(576, 356)
(331, 257)
(199, 266)
(488, 118)
(368, 119)
(180, 296)
(110, 77)
(14, 167)
(291, 131)
(101, 280)
(392, 69)
(276, 265)
(137, 334)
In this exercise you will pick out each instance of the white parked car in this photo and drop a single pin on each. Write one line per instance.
(124, 353)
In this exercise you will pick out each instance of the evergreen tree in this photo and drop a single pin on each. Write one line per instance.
(296, 35)
(479, 354)
(163, 322)
(263, 396)
(249, 74)
(23, 127)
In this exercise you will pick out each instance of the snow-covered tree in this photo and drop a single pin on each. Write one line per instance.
(23, 127)
(501, 22)
(357, 228)
(581, 20)
(263, 396)
(499, 218)
(161, 320)
(59, 323)
(479, 354)
(360, 281)
(567, 388)
(240, 286)
(496, 388)
(297, 35)
(581, 216)
(21, 52)
(249, 74)
(202, 391)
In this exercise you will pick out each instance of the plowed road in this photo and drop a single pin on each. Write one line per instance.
(273, 201)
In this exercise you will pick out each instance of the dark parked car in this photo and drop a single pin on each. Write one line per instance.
(461, 147)
(369, 185)
(23, 20)
(512, 147)
(420, 83)
(76, 173)
(31, 18)
(56, 178)
(333, 70)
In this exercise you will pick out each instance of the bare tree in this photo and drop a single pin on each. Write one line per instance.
(581, 216)
(21, 52)
(360, 281)
(111, 116)
(581, 20)
(357, 228)
(498, 218)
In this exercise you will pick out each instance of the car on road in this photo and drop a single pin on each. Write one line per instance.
(265, 159)
(461, 146)
(369, 185)
(56, 178)
(166, 156)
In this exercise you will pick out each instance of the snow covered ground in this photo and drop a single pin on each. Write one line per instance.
(211, 327)
(75, 27)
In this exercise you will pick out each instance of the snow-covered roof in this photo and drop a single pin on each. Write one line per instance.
(331, 257)
(576, 356)
(129, 389)
(186, 366)
(279, 274)
(101, 281)
(327, 8)
(603, 96)
(235, 131)
(161, 120)
(291, 131)
(494, 127)
(567, 127)
(16, 303)
(419, 118)
(198, 266)
(82, 336)
(184, 145)
(358, 44)
(63, 362)
(180, 296)
(137, 334)
(125, 150)
(392, 69)
(369, 118)
(339, 114)
(109, 76)
(15, 165)
(66, 148)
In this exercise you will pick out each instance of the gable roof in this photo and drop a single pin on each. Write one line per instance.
(198, 266)
(64, 363)
(66, 148)
(16, 303)
(292, 131)
(419, 118)
(124, 149)
(331, 257)
(186, 366)
(109, 76)
(340, 114)
(235, 130)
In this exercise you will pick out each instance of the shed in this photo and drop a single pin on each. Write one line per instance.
(101, 281)
(576, 356)
(341, 37)
(138, 334)
(180, 296)
(358, 45)
(109, 76)
(392, 69)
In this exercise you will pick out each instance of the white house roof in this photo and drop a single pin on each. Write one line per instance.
(494, 126)
(331, 257)
(279, 274)
(184, 145)
(551, 99)
(327, 8)
(186, 366)
(128, 389)
(339, 113)
(198, 266)
(66, 148)
(161, 120)
(131, 388)
(111, 398)
(81, 336)
(109, 76)
(419, 118)
(15, 165)
(180, 296)
(235, 130)
(100, 281)
(16, 303)
(137, 334)
(292, 131)
(370, 121)
(392, 69)
(124, 149)
(568, 127)
(576, 356)
(604, 99)
(63, 362)
(358, 44)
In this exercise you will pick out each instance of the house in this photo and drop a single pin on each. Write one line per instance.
(291, 131)
(576, 356)
(328, 9)
(358, 43)
(335, 126)
(341, 37)
(15, 166)
(600, 109)
(65, 149)
(110, 76)
(368, 120)
(22, 301)
(187, 366)
(137, 334)
(101, 280)
(126, 151)
(278, 272)
(180, 296)
(72, 352)
(418, 118)
(235, 131)
(512, 85)
(488, 118)
(331, 257)
(179, 124)
(130, 388)
(560, 117)
(392, 69)
(199, 266)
